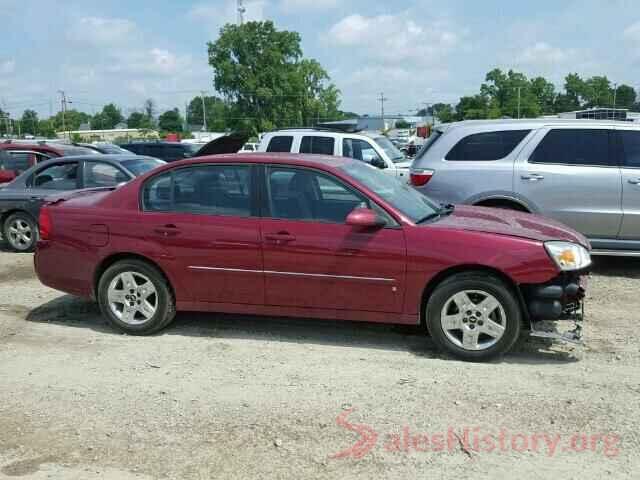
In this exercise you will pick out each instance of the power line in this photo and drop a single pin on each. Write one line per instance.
(382, 99)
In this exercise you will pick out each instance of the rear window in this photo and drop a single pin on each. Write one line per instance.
(631, 147)
(280, 144)
(574, 147)
(16, 162)
(486, 146)
(318, 145)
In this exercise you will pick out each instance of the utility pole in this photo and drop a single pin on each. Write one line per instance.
(204, 112)
(519, 88)
(241, 11)
(63, 105)
(382, 99)
(615, 91)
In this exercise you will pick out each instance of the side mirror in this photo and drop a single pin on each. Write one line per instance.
(378, 163)
(365, 218)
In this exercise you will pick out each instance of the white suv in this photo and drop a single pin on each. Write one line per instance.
(374, 148)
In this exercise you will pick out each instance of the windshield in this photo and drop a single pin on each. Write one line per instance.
(142, 165)
(193, 148)
(400, 195)
(395, 155)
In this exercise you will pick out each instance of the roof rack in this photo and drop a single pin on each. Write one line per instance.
(322, 129)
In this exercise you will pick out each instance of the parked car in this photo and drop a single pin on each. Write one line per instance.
(106, 148)
(584, 173)
(21, 199)
(310, 236)
(172, 151)
(375, 149)
(18, 156)
(249, 147)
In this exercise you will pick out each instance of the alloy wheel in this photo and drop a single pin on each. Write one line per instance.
(473, 320)
(20, 234)
(132, 298)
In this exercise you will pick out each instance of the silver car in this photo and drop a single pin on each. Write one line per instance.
(583, 173)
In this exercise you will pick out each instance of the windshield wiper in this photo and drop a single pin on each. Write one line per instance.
(442, 211)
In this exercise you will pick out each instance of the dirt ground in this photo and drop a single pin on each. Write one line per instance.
(235, 397)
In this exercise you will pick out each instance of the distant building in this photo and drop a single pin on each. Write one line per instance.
(375, 123)
(621, 114)
(109, 135)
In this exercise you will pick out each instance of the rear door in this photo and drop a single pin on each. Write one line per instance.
(205, 217)
(572, 175)
(629, 148)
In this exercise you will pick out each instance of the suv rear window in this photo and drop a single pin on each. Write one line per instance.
(280, 144)
(573, 146)
(486, 146)
(319, 145)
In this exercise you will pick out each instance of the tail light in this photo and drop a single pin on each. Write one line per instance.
(44, 222)
(421, 176)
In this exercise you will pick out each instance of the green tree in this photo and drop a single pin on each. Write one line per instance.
(261, 73)
(170, 121)
(216, 113)
(139, 120)
(443, 112)
(29, 122)
(625, 96)
(72, 120)
(598, 92)
(544, 93)
(472, 107)
(108, 118)
(575, 93)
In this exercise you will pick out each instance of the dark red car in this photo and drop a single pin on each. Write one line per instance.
(17, 157)
(310, 236)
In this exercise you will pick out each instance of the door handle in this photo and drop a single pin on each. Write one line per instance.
(168, 230)
(280, 237)
(532, 177)
(634, 181)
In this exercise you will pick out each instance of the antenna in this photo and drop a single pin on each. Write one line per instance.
(241, 11)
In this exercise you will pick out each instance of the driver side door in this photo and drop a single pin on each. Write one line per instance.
(313, 259)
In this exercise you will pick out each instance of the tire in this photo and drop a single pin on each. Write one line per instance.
(149, 306)
(455, 316)
(20, 232)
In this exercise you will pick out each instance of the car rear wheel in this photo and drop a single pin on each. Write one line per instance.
(20, 231)
(135, 297)
(474, 316)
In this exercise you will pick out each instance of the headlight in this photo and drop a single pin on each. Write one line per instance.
(568, 256)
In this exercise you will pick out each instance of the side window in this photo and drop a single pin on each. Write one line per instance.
(57, 177)
(486, 146)
(211, 190)
(317, 145)
(299, 194)
(574, 147)
(100, 174)
(18, 161)
(175, 152)
(156, 193)
(280, 144)
(360, 150)
(631, 148)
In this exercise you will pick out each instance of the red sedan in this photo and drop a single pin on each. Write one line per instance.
(311, 236)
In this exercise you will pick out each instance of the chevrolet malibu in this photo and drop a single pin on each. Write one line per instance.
(313, 237)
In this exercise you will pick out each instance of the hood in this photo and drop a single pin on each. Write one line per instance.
(231, 143)
(509, 222)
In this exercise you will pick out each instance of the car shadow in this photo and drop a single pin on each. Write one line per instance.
(75, 312)
(616, 266)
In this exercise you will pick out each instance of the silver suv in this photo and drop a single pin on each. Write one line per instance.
(583, 173)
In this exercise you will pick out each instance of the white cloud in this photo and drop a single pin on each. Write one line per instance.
(99, 31)
(632, 32)
(295, 5)
(396, 38)
(7, 67)
(543, 54)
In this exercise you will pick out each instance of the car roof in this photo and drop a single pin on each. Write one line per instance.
(361, 134)
(323, 162)
(512, 123)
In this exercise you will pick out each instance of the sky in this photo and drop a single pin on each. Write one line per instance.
(415, 51)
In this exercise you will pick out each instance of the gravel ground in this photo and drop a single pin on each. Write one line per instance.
(237, 397)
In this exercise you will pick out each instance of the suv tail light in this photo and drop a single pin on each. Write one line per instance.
(44, 223)
(421, 176)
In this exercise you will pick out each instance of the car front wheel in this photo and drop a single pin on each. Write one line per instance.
(474, 316)
(135, 297)
(20, 231)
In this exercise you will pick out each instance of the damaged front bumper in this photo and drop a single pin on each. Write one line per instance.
(560, 299)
